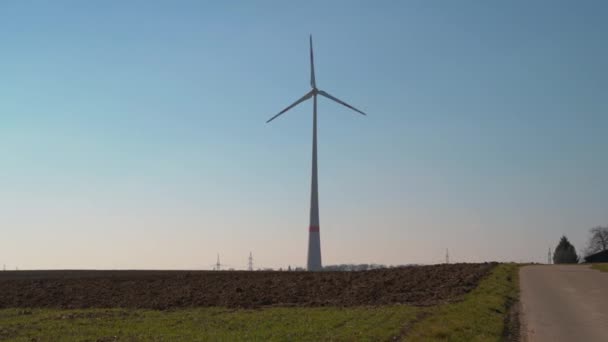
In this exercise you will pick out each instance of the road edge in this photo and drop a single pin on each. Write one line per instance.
(513, 324)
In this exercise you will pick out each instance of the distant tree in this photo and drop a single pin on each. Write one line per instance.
(353, 267)
(598, 240)
(376, 266)
(362, 267)
(565, 253)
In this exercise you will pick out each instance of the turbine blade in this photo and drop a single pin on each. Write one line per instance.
(302, 99)
(313, 82)
(321, 92)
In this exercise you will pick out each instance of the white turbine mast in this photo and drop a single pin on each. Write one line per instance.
(314, 241)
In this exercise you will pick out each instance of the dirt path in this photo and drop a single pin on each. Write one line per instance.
(563, 303)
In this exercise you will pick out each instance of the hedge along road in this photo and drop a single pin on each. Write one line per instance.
(563, 303)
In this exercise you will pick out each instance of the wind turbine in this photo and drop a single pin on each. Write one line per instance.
(314, 240)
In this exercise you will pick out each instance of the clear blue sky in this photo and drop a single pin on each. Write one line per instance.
(132, 134)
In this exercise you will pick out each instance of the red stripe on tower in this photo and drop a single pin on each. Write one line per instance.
(313, 229)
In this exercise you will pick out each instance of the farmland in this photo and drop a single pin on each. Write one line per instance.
(428, 302)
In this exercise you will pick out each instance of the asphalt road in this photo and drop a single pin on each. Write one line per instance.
(563, 303)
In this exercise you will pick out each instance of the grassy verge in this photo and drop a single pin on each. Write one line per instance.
(601, 267)
(479, 317)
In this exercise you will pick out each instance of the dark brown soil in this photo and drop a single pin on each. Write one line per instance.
(414, 285)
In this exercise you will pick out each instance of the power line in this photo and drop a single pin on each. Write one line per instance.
(218, 266)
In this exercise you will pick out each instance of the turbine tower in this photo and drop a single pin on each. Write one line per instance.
(314, 239)
(250, 268)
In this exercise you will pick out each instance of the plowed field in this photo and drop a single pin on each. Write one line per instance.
(415, 285)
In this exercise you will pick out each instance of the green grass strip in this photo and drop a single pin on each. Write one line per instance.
(479, 317)
(207, 324)
(601, 267)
